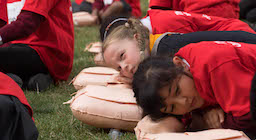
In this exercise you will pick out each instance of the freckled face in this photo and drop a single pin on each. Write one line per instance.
(123, 55)
(181, 97)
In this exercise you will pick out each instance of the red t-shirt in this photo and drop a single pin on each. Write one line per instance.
(134, 4)
(11, 1)
(10, 87)
(222, 72)
(54, 39)
(79, 1)
(3, 10)
(183, 22)
(221, 8)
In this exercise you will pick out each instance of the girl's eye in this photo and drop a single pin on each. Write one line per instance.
(119, 68)
(177, 92)
(122, 56)
(173, 107)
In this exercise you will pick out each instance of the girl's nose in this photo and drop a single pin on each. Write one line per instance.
(182, 101)
(124, 67)
(125, 70)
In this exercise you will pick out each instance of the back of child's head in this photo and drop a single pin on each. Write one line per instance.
(110, 23)
(127, 31)
(153, 74)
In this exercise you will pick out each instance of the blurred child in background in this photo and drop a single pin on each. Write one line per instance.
(37, 49)
(15, 112)
(104, 8)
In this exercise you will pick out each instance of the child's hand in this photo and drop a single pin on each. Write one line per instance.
(214, 117)
(124, 80)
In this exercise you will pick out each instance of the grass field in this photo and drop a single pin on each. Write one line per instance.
(53, 119)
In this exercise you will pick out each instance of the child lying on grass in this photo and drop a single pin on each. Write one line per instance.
(200, 76)
(126, 45)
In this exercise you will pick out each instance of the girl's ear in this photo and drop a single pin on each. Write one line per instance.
(135, 36)
(179, 62)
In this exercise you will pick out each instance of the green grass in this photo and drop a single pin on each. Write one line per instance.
(54, 120)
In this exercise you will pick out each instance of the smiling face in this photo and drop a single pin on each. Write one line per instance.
(124, 56)
(180, 97)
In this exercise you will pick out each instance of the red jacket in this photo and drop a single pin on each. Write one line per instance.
(221, 8)
(9, 87)
(134, 4)
(222, 72)
(183, 22)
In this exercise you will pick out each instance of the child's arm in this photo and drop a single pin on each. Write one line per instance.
(27, 22)
(230, 84)
(206, 119)
(171, 44)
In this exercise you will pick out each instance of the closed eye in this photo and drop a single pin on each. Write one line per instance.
(166, 109)
(177, 92)
(122, 56)
(172, 108)
(119, 68)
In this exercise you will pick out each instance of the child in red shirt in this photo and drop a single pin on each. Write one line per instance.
(39, 45)
(134, 33)
(105, 8)
(220, 8)
(184, 22)
(101, 6)
(15, 111)
(200, 76)
(82, 5)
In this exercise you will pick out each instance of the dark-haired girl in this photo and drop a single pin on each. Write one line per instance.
(200, 76)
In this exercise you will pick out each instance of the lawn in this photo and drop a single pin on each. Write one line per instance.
(55, 120)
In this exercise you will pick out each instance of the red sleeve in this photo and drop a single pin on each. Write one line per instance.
(41, 7)
(98, 4)
(160, 3)
(242, 123)
(3, 11)
(26, 24)
(231, 86)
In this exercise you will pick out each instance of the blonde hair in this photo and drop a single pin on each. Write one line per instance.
(127, 31)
